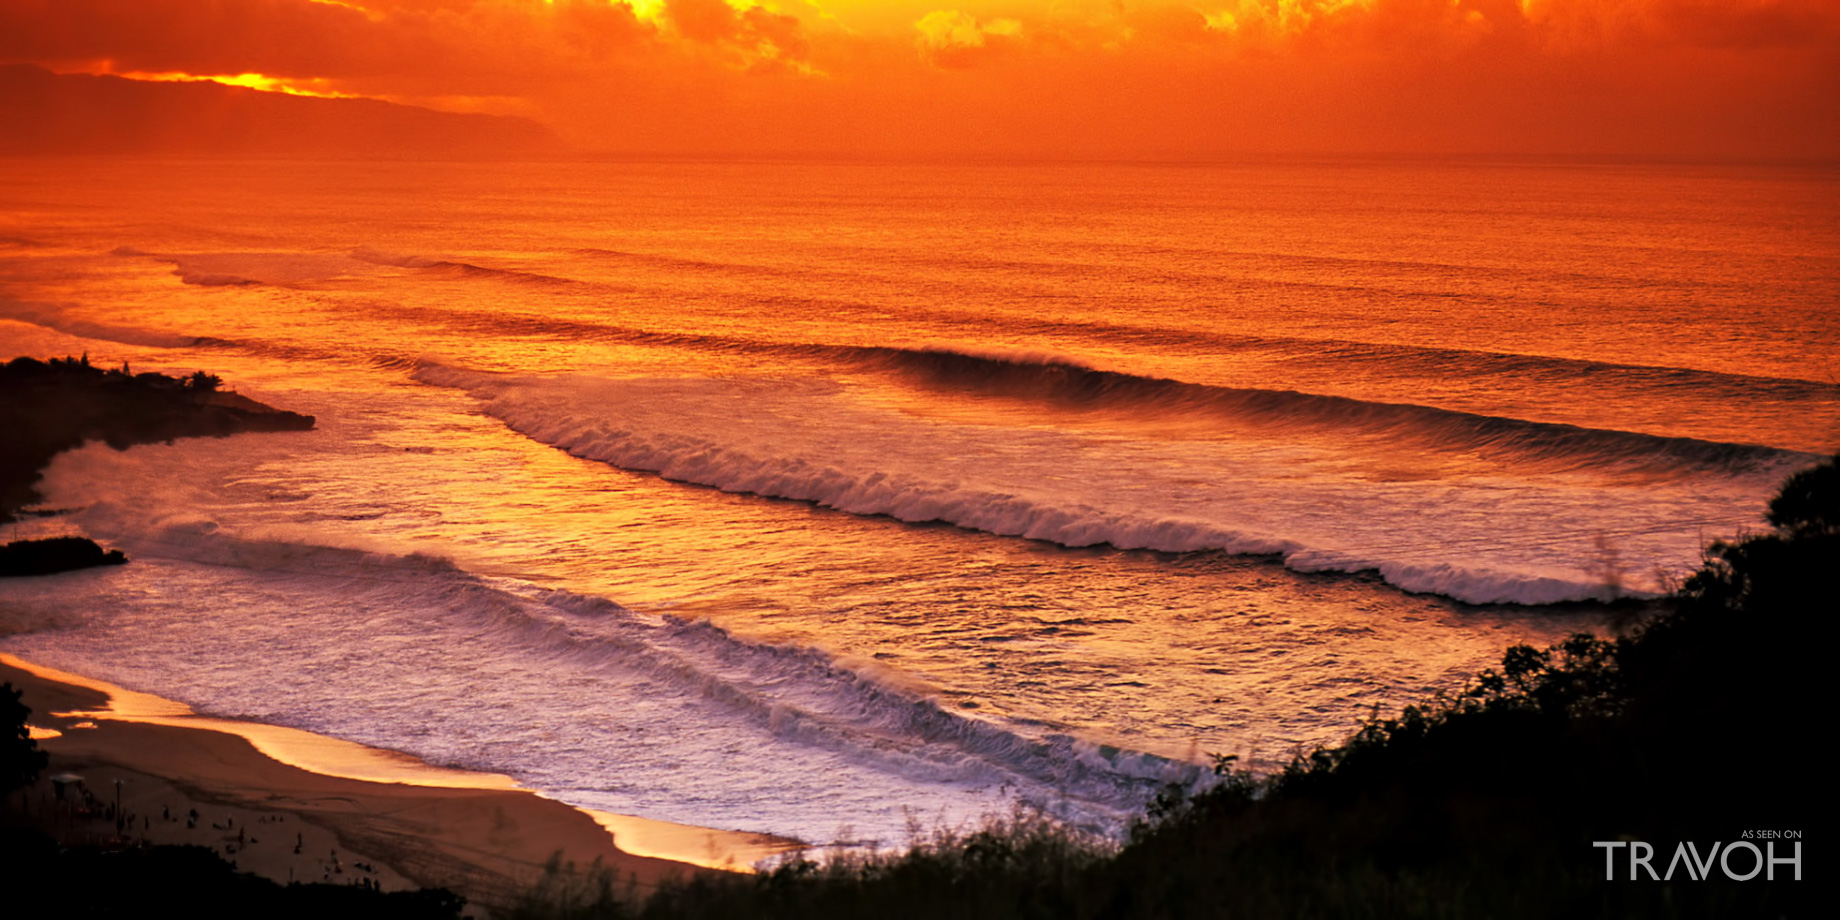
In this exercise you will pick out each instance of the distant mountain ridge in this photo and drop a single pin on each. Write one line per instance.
(48, 113)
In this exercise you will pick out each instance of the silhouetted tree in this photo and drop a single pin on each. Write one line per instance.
(20, 758)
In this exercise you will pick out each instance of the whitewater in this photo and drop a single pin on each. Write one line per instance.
(839, 500)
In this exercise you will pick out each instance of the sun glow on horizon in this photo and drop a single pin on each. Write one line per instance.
(312, 86)
(1033, 77)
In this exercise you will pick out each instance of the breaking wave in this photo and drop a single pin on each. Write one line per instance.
(1482, 535)
(459, 269)
(1066, 383)
(796, 695)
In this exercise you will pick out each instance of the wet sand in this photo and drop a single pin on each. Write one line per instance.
(293, 806)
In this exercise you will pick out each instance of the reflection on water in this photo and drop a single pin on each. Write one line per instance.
(759, 497)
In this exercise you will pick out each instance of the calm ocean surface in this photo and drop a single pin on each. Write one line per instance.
(824, 500)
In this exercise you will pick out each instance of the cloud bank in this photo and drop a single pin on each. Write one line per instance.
(1077, 78)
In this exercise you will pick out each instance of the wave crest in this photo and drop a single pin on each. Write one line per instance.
(794, 694)
(1068, 384)
(1482, 534)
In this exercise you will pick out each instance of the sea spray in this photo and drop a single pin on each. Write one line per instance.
(1486, 536)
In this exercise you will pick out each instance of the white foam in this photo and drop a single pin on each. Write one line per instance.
(636, 709)
(1479, 537)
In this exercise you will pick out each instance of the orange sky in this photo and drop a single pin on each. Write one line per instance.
(1109, 78)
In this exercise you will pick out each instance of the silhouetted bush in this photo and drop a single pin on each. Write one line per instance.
(20, 758)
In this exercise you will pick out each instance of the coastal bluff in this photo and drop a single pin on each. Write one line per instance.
(47, 407)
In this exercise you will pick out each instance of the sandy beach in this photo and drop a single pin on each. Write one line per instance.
(292, 806)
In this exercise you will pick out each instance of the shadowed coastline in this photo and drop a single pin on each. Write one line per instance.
(64, 113)
(47, 407)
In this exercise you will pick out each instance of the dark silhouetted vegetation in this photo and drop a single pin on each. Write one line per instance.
(20, 758)
(52, 406)
(1696, 727)
(1025, 865)
(201, 382)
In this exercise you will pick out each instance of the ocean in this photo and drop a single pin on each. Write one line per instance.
(840, 500)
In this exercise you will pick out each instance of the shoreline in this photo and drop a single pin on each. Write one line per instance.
(59, 404)
(331, 810)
